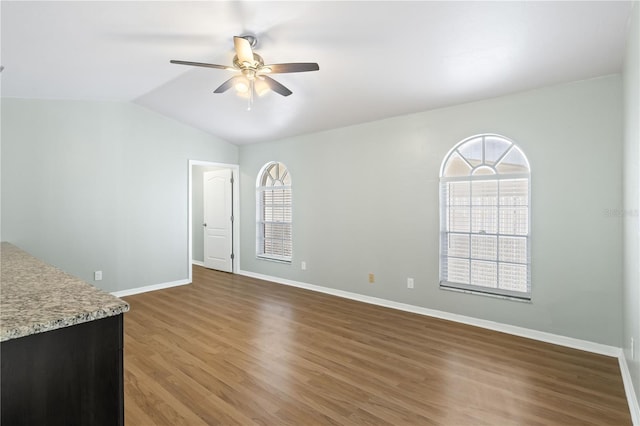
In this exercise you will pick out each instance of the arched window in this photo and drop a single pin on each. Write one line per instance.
(485, 218)
(273, 198)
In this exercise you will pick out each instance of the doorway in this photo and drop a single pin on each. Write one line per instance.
(198, 231)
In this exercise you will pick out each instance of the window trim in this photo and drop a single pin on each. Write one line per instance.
(260, 222)
(444, 209)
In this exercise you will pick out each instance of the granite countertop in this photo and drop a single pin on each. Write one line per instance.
(36, 297)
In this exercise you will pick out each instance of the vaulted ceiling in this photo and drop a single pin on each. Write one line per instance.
(377, 59)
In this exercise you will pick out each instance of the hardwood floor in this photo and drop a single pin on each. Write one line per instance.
(231, 350)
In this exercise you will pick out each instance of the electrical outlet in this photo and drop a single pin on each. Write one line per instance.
(303, 265)
(97, 276)
(409, 282)
(372, 278)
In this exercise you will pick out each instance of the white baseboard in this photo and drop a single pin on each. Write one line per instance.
(147, 288)
(197, 263)
(634, 407)
(491, 325)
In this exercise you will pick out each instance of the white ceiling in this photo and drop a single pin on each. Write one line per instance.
(377, 59)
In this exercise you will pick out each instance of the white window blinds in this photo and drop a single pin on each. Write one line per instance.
(274, 213)
(485, 193)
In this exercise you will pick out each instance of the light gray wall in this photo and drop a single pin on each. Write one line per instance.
(101, 186)
(365, 199)
(631, 290)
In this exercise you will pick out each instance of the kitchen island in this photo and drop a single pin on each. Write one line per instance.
(61, 343)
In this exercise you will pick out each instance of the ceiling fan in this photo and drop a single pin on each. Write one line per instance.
(253, 72)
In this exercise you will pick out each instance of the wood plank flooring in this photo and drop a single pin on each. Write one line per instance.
(232, 350)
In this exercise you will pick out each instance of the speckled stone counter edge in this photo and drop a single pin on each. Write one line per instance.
(36, 297)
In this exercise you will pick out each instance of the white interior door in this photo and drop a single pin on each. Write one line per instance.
(218, 221)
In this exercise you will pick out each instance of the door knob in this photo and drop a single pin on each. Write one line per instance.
(204, 224)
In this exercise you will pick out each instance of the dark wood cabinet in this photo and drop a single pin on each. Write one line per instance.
(69, 376)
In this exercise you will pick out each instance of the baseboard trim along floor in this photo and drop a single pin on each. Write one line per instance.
(147, 288)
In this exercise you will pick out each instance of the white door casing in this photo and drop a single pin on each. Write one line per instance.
(217, 226)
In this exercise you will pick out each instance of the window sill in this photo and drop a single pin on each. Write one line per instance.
(273, 259)
(444, 286)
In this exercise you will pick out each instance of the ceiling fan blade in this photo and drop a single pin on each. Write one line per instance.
(275, 86)
(201, 64)
(294, 67)
(243, 50)
(228, 84)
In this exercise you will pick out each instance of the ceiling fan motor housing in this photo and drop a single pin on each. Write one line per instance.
(258, 62)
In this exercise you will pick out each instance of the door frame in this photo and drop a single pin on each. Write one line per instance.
(236, 212)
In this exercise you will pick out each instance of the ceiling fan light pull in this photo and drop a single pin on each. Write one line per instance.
(251, 91)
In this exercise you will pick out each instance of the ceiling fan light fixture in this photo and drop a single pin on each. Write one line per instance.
(242, 87)
(262, 88)
(251, 78)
